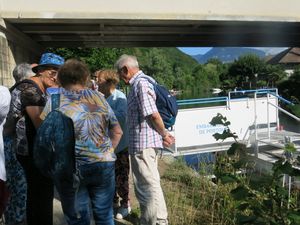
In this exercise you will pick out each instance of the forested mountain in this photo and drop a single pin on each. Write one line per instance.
(168, 66)
(228, 54)
(176, 70)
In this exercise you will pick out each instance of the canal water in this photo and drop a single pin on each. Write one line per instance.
(198, 162)
(289, 123)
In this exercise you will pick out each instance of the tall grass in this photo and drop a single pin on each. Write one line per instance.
(192, 199)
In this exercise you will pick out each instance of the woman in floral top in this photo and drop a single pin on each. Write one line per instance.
(97, 133)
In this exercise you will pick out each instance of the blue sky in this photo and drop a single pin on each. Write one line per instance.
(194, 50)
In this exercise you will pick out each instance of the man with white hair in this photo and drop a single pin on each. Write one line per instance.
(147, 134)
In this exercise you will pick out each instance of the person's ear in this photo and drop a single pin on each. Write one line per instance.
(125, 70)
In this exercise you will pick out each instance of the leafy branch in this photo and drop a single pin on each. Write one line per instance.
(259, 199)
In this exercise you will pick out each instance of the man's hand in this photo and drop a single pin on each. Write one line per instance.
(158, 123)
(168, 140)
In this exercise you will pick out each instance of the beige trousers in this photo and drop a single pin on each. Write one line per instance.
(147, 187)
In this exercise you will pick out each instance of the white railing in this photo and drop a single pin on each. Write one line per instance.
(278, 108)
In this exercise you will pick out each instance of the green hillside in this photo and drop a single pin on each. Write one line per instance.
(167, 65)
(176, 70)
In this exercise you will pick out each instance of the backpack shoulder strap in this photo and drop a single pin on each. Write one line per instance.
(55, 101)
(14, 87)
(149, 79)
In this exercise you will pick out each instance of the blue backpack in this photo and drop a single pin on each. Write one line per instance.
(165, 102)
(54, 147)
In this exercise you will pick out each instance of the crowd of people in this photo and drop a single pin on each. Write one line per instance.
(113, 135)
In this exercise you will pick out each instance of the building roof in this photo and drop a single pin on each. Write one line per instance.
(288, 56)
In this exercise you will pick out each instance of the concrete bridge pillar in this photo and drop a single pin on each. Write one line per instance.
(15, 48)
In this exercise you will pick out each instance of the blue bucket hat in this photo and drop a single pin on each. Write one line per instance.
(49, 59)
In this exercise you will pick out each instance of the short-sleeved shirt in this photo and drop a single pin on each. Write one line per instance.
(31, 95)
(93, 118)
(15, 123)
(141, 104)
(118, 102)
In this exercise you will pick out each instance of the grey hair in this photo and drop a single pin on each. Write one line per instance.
(127, 60)
(22, 71)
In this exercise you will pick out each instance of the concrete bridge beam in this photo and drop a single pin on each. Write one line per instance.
(218, 10)
(27, 25)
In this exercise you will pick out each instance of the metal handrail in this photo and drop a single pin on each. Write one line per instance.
(285, 112)
(229, 98)
(219, 99)
(253, 91)
(268, 121)
(258, 91)
(282, 99)
(202, 101)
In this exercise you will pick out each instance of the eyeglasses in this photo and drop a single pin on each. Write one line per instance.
(52, 73)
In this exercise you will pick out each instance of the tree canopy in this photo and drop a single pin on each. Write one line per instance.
(176, 70)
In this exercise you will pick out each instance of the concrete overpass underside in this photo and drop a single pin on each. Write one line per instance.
(28, 27)
(157, 33)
